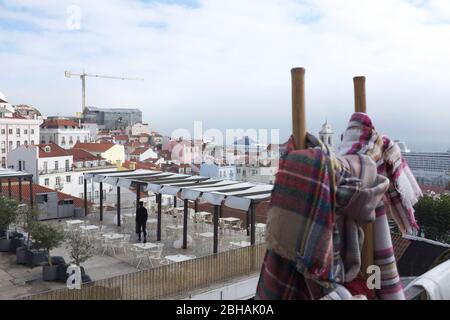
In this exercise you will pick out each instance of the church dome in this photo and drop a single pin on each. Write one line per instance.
(326, 129)
(3, 98)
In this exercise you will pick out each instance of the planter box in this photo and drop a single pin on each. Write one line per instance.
(35, 257)
(49, 273)
(4, 245)
(20, 255)
(16, 243)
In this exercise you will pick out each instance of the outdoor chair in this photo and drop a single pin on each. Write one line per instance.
(138, 256)
(154, 255)
(107, 245)
(121, 244)
(237, 226)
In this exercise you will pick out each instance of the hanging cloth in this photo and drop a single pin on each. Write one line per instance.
(404, 192)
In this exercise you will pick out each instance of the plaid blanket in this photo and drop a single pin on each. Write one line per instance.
(404, 192)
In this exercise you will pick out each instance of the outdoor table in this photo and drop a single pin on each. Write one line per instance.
(74, 222)
(178, 258)
(129, 215)
(113, 236)
(89, 228)
(206, 235)
(145, 246)
(241, 244)
(230, 219)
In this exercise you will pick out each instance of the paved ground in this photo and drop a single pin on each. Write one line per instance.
(17, 281)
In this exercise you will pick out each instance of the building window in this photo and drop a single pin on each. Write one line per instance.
(67, 165)
(25, 143)
(56, 165)
(32, 131)
(10, 146)
(3, 131)
(90, 196)
(3, 162)
(45, 166)
(58, 181)
(17, 144)
(80, 180)
(32, 142)
(18, 131)
(25, 131)
(68, 179)
(96, 194)
(47, 182)
(10, 131)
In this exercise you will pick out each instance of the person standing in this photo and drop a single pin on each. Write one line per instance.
(141, 221)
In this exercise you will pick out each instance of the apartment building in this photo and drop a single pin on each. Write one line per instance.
(65, 133)
(15, 130)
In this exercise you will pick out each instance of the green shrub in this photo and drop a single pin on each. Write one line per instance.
(433, 217)
(47, 237)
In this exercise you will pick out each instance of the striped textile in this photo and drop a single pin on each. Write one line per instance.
(301, 219)
(404, 192)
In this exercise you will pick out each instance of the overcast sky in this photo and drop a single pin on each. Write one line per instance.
(227, 62)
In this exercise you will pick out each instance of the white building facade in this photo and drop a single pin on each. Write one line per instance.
(15, 131)
(63, 132)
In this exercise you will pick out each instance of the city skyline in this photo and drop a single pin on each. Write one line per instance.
(227, 63)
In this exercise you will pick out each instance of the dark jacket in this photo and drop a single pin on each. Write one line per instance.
(141, 215)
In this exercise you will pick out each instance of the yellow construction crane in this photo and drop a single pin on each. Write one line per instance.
(83, 76)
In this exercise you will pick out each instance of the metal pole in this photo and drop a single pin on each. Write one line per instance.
(216, 229)
(101, 201)
(196, 206)
(174, 201)
(9, 188)
(83, 91)
(20, 189)
(31, 193)
(185, 224)
(118, 206)
(252, 222)
(247, 221)
(85, 198)
(158, 231)
(1, 186)
(138, 196)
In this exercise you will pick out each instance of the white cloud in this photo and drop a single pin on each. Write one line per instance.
(228, 62)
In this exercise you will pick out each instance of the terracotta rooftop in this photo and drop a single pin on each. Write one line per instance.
(49, 150)
(94, 147)
(139, 151)
(82, 155)
(59, 123)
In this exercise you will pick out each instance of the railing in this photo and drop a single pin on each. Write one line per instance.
(176, 279)
(51, 171)
(85, 168)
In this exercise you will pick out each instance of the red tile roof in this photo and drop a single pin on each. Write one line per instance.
(121, 137)
(82, 155)
(140, 165)
(94, 147)
(54, 151)
(58, 123)
(78, 203)
(139, 151)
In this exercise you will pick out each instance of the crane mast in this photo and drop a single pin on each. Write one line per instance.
(83, 76)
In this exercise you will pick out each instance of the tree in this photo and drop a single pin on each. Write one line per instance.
(26, 218)
(47, 237)
(8, 213)
(433, 217)
(81, 248)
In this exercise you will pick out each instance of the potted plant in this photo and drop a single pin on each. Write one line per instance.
(27, 216)
(8, 215)
(48, 237)
(81, 249)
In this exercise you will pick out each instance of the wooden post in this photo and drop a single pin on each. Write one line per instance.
(367, 254)
(252, 223)
(360, 94)
(20, 190)
(9, 188)
(298, 107)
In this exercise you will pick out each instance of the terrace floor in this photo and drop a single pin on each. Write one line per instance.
(17, 281)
